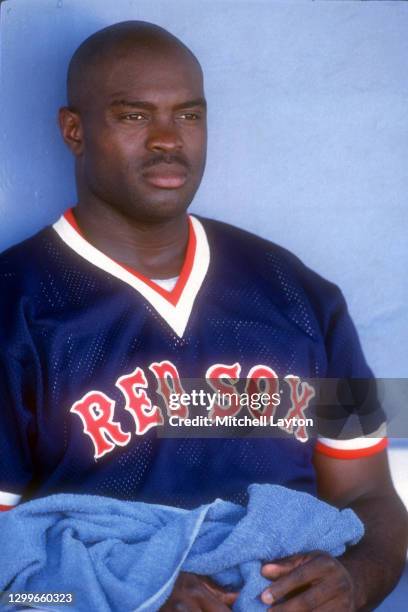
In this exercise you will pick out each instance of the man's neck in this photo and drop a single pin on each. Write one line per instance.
(155, 250)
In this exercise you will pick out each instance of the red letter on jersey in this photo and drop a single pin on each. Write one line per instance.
(138, 404)
(96, 412)
(265, 376)
(300, 395)
(168, 383)
(214, 376)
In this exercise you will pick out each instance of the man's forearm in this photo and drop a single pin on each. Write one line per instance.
(376, 563)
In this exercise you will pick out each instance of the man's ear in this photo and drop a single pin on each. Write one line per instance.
(71, 129)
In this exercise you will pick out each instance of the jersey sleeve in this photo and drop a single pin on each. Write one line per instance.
(16, 430)
(356, 426)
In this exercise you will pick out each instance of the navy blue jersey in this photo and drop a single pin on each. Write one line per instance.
(91, 353)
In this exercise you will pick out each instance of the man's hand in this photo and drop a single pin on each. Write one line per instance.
(192, 593)
(313, 581)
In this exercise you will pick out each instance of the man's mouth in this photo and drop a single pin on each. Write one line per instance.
(166, 176)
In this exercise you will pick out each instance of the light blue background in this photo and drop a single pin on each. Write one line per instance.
(308, 133)
(308, 126)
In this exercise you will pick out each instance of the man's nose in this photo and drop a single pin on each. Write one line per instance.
(164, 137)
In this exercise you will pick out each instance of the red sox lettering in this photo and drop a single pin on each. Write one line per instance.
(99, 413)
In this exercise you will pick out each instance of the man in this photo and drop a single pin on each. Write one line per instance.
(107, 312)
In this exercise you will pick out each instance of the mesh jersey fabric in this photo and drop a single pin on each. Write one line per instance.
(73, 323)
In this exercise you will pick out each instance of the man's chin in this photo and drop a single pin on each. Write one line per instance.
(167, 201)
(160, 208)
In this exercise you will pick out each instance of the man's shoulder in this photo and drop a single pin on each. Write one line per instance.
(216, 229)
(32, 245)
(268, 271)
(269, 259)
(26, 259)
(223, 235)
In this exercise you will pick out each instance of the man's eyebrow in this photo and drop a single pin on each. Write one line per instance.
(191, 103)
(149, 106)
(133, 104)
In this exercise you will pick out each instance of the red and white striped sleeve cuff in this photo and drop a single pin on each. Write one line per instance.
(8, 500)
(354, 448)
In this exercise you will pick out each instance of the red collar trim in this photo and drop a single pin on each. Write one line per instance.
(172, 296)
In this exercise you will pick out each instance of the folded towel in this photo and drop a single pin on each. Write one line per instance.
(121, 556)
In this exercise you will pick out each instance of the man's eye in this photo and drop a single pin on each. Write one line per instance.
(190, 116)
(133, 116)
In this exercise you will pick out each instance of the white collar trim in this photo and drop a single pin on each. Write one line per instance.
(175, 314)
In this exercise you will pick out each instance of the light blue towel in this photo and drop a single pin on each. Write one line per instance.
(122, 556)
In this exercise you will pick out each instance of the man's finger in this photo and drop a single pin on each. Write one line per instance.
(275, 570)
(226, 597)
(213, 604)
(304, 574)
(314, 599)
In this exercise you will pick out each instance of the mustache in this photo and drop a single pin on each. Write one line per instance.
(166, 158)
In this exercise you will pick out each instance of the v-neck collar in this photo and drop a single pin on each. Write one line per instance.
(173, 306)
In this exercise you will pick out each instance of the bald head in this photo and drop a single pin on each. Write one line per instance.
(99, 54)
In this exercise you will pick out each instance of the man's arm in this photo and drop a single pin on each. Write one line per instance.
(365, 485)
(367, 572)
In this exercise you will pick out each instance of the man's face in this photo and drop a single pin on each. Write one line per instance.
(144, 134)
